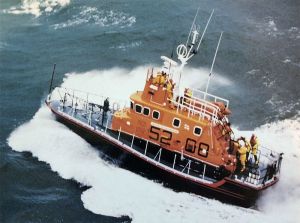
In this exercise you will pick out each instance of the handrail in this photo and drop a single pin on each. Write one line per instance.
(195, 106)
(214, 97)
(85, 97)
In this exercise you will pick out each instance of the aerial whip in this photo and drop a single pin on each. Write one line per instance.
(212, 65)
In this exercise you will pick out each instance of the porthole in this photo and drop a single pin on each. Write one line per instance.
(138, 109)
(155, 114)
(146, 111)
(176, 122)
(197, 130)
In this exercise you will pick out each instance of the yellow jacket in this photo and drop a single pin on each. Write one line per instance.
(159, 79)
(255, 145)
(242, 151)
(169, 87)
(248, 146)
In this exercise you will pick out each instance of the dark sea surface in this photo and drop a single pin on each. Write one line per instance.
(257, 69)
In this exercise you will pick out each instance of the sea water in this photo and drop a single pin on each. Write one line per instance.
(50, 174)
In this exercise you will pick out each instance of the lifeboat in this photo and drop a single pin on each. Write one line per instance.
(172, 133)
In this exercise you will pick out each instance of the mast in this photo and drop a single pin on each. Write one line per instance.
(186, 51)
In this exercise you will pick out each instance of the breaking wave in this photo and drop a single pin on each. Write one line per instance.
(92, 15)
(37, 7)
(117, 192)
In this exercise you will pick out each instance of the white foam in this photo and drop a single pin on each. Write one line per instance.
(37, 7)
(92, 15)
(253, 71)
(124, 46)
(121, 83)
(118, 192)
(287, 60)
(268, 26)
(114, 191)
(281, 203)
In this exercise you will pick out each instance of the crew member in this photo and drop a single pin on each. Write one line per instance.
(242, 152)
(249, 148)
(188, 93)
(105, 109)
(247, 145)
(170, 87)
(254, 144)
(160, 79)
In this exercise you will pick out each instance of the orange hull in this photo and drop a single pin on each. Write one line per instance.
(226, 189)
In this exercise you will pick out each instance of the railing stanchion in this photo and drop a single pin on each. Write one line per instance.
(132, 141)
(90, 118)
(87, 102)
(72, 98)
(106, 124)
(119, 133)
(174, 161)
(204, 169)
(146, 147)
(158, 154)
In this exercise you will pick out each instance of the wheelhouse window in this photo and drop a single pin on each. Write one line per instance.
(176, 122)
(138, 109)
(131, 105)
(155, 114)
(203, 149)
(146, 111)
(197, 130)
(190, 145)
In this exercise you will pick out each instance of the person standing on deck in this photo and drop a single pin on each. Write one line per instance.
(247, 145)
(242, 152)
(249, 148)
(254, 144)
(105, 109)
(170, 87)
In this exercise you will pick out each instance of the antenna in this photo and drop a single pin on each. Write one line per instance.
(192, 26)
(53, 72)
(212, 65)
(186, 51)
(200, 41)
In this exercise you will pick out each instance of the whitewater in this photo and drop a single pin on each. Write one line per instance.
(117, 192)
(37, 7)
